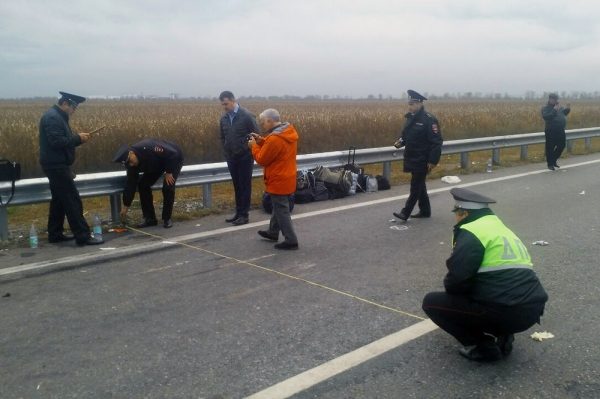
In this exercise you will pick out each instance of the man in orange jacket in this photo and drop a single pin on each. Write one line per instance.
(276, 152)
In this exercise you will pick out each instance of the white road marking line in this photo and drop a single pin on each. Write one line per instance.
(134, 249)
(316, 375)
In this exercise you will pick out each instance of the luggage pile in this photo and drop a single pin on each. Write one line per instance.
(322, 183)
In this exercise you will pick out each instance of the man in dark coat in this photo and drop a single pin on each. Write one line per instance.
(153, 158)
(236, 125)
(491, 291)
(555, 117)
(57, 154)
(422, 139)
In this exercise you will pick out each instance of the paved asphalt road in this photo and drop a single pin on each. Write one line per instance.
(187, 323)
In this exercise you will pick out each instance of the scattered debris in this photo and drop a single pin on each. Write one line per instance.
(399, 228)
(392, 221)
(451, 179)
(117, 230)
(540, 336)
(198, 225)
(6, 295)
(541, 243)
(442, 243)
(107, 248)
(582, 193)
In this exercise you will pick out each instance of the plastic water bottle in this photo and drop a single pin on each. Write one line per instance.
(33, 237)
(489, 166)
(97, 230)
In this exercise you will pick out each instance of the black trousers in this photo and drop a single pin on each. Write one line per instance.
(147, 200)
(555, 144)
(418, 194)
(467, 320)
(241, 174)
(65, 202)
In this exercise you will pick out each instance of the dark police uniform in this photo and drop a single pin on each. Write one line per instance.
(57, 154)
(491, 291)
(156, 157)
(556, 138)
(422, 139)
(235, 128)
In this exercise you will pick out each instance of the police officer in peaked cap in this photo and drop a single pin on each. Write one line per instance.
(57, 154)
(422, 141)
(152, 158)
(491, 291)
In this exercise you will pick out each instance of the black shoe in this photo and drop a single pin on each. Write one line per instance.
(240, 221)
(147, 223)
(505, 343)
(486, 351)
(167, 224)
(286, 245)
(232, 219)
(61, 238)
(550, 167)
(401, 215)
(420, 215)
(91, 240)
(268, 235)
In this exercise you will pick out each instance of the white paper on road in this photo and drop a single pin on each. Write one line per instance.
(540, 336)
(451, 179)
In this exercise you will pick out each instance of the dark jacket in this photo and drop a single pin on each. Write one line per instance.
(57, 141)
(156, 157)
(422, 138)
(234, 136)
(509, 287)
(556, 121)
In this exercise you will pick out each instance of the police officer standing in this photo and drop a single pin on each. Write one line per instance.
(555, 117)
(491, 291)
(422, 139)
(57, 154)
(153, 158)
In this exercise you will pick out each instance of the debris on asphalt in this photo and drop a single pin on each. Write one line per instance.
(399, 228)
(198, 225)
(392, 221)
(107, 248)
(6, 295)
(541, 243)
(117, 230)
(451, 179)
(540, 336)
(582, 193)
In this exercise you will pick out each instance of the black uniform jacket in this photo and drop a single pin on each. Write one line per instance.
(422, 138)
(503, 287)
(234, 135)
(556, 121)
(156, 157)
(57, 141)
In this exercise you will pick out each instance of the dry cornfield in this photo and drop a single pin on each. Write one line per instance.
(323, 125)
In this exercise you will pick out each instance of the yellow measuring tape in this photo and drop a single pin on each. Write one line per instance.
(266, 269)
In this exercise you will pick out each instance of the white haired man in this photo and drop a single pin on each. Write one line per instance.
(276, 152)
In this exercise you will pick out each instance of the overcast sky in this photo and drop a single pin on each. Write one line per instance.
(275, 47)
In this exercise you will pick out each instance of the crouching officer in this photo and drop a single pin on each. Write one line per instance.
(57, 154)
(492, 291)
(423, 140)
(153, 158)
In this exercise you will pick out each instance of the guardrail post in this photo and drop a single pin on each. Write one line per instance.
(588, 143)
(496, 156)
(115, 207)
(569, 146)
(524, 149)
(464, 160)
(387, 170)
(207, 195)
(3, 223)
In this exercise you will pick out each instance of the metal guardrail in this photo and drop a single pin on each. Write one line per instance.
(31, 191)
